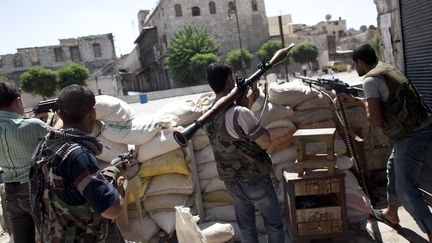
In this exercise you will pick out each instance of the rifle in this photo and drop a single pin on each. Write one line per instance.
(127, 164)
(341, 87)
(45, 106)
(242, 85)
(332, 84)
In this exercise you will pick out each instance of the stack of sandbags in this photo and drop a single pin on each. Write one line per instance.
(109, 110)
(188, 231)
(358, 205)
(179, 113)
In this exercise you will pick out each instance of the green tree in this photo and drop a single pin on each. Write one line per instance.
(374, 42)
(72, 74)
(199, 64)
(235, 58)
(304, 53)
(268, 49)
(2, 78)
(363, 28)
(39, 80)
(185, 55)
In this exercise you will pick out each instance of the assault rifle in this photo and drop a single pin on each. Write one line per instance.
(127, 165)
(340, 87)
(332, 84)
(45, 106)
(242, 85)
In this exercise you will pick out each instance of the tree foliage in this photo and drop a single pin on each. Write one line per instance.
(234, 57)
(199, 64)
(304, 53)
(72, 74)
(268, 49)
(188, 52)
(39, 80)
(363, 28)
(374, 42)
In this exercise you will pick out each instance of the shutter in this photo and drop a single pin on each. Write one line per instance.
(416, 19)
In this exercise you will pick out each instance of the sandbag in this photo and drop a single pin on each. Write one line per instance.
(138, 184)
(112, 109)
(285, 155)
(97, 128)
(312, 115)
(273, 112)
(217, 196)
(205, 101)
(225, 213)
(290, 93)
(166, 201)
(358, 204)
(284, 123)
(281, 143)
(207, 170)
(320, 124)
(215, 184)
(204, 155)
(111, 150)
(208, 205)
(344, 162)
(170, 163)
(187, 230)
(162, 143)
(179, 112)
(217, 232)
(318, 101)
(137, 131)
(357, 117)
(165, 220)
(134, 232)
(199, 142)
(170, 184)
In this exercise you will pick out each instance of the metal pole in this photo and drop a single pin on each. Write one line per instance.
(243, 64)
(283, 43)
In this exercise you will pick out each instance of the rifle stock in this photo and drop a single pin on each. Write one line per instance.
(184, 136)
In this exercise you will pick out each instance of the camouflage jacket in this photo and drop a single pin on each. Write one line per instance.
(236, 158)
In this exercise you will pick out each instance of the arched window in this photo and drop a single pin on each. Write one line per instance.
(196, 11)
(178, 10)
(212, 7)
(254, 6)
(231, 6)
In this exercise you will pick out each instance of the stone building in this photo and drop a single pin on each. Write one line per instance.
(405, 28)
(96, 52)
(158, 29)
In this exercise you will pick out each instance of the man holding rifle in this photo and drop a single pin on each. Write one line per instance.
(71, 199)
(392, 102)
(239, 143)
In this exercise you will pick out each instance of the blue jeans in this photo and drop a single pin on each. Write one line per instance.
(404, 172)
(18, 210)
(257, 193)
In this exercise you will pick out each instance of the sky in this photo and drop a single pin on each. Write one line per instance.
(32, 23)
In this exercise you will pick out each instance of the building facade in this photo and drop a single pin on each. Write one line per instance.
(96, 52)
(158, 29)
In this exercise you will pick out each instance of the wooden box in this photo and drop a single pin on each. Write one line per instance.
(315, 205)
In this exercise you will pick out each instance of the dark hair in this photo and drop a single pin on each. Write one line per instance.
(8, 93)
(366, 53)
(74, 102)
(217, 74)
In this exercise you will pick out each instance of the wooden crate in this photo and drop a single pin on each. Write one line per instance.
(326, 217)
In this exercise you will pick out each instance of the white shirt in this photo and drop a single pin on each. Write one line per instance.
(246, 121)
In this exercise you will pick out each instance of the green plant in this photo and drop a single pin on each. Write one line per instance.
(304, 53)
(39, 80)
(268, 49)
(72, 74)
(374, 42)
(234, 57)
(186, 55)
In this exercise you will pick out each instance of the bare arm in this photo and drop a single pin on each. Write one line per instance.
(115, 210)
(373, 110)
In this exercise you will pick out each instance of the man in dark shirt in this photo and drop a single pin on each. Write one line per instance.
(77, 197)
